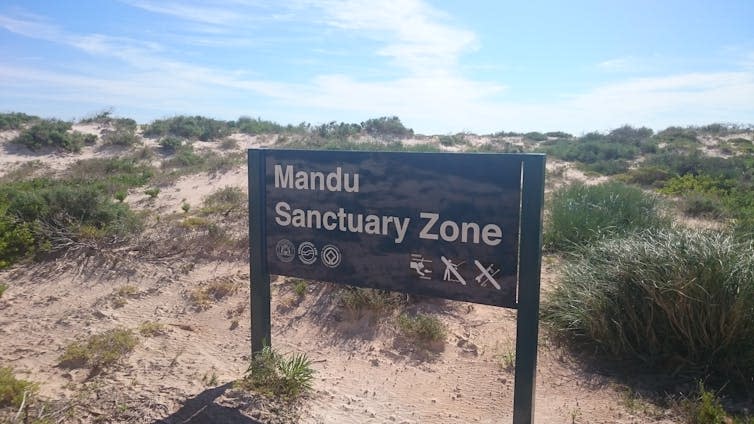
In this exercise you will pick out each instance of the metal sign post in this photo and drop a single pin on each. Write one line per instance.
(451, 225)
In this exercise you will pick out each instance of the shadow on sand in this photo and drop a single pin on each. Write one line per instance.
(202, 409)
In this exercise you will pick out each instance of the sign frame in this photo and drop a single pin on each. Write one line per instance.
(529, 268)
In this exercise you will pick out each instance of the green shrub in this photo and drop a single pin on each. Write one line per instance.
(677, 139)
(17, 238)
(123, 133)
(339, 131)
(274, 374)
(676, 300)
(53, 133)
(606, 167)
(152, 192)
(390, 127)
(100, 350)
(356, 299)
(12, 389)
(704, 184)
(224, 201)
(702, 206)
(170, 144)
(647, 176)
(15, 120)
(578, 214)
(257, 126)
(189, 127)
(591, 148)
(184, 157)
(535, 136)
(3, 288)
(452, 140)
(421, 327)
(558, 134)
(42, 215)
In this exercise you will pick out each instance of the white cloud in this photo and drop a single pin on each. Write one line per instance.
(431, 95)
(412, 31)
(219, 15)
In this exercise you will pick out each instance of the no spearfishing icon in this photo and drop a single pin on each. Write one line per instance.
(487, 275)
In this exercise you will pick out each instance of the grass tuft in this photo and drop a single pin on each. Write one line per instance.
(12, 389)
(579, 214)
(100, 350)
(421, 327)
(676, 300)
(274, 374)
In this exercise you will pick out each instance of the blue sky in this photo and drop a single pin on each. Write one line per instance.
(441, 66)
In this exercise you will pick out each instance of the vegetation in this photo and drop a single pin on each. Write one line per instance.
(100, 350)
(389, 127)
(3, 288)
(123, 133)
(151, 329)
(189, 127)
(53, 133)
(421, 327)
(257, 126)
(356, 299)
(677, 299)
(41, 215)
(12, 389)
(273, 374)
(579, 214)
(299, 287)
(15, 120)
(603, 153)
(213, 291)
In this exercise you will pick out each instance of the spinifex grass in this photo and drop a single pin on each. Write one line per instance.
(578, 214)
(679, 300)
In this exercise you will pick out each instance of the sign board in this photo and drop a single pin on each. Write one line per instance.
(452, 225)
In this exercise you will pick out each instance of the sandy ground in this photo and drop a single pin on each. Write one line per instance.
(365, 371)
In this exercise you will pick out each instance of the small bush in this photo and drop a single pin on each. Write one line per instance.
(702, 206)
(224, 201)
(578, 214)
(452, 140)
(421, 327)
(257, 126)
(189, 127)
(215, 290)
(649, 176)
(390, 127)
(184, 157)
(676, 300)
(229, 144)
(558, 134)
(273, 374)
(299, 288)
(53, 133)
(12, 389)
(152, 192)
(122, 134)
(15, 120)
(151, 329)
(3, 288)
(100, 350)
(356, 299)
(535, 136)
(170, 144)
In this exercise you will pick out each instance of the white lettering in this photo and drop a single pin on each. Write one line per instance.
(283, 180)
(492, 235)
(283, 218)
(424, 233)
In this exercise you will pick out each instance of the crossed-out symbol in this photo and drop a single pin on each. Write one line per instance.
(331, 256)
